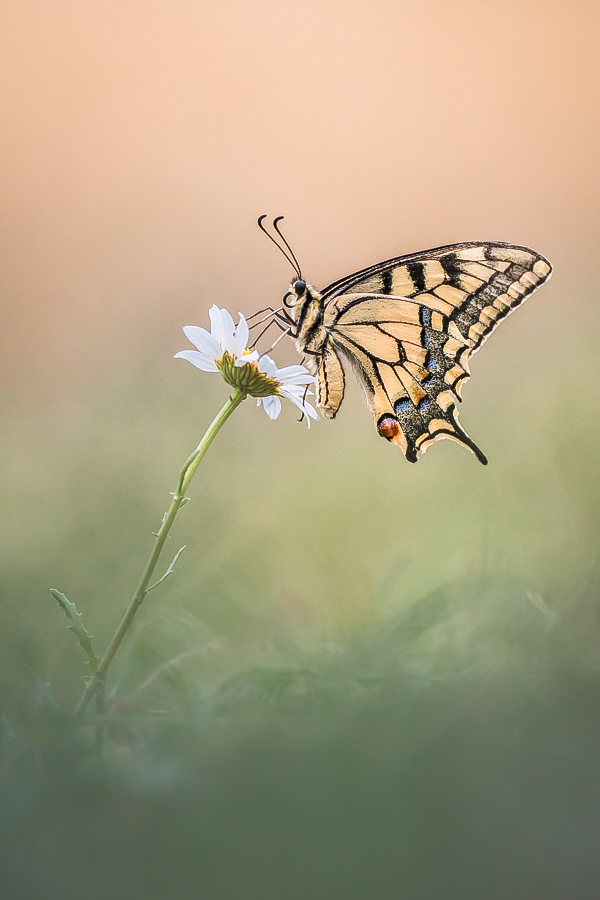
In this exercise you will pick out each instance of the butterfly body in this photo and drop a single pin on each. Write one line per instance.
(311, 333)
(408, 327)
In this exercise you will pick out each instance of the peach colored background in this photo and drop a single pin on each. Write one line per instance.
(142, 138)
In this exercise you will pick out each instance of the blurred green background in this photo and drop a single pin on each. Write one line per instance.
(364, 678)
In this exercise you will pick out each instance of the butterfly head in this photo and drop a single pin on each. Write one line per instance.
(296, 294)
(299, 287)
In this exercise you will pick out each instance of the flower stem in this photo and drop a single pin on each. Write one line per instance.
(185, 476)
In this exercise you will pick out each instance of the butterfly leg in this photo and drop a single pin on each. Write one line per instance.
(305, 395)
(282, 335)
(285, 330)
(267, 309)
(279, 316)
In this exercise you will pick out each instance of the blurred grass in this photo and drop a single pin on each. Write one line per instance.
(358, 665)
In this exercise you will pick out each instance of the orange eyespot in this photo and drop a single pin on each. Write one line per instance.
(388, 428)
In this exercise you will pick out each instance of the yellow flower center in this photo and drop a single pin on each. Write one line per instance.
(247, 378)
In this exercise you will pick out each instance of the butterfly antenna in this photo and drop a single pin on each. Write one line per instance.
(275, 226)
(291, 259)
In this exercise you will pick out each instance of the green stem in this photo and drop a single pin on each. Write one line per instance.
(185, 476)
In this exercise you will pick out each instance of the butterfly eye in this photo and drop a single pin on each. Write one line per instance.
(299, 286)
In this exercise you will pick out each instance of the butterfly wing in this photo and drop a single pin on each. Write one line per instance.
(409, 326)
(331, 382)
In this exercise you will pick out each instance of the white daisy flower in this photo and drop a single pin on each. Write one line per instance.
(224, 337)
(293, 385)
(224, 350)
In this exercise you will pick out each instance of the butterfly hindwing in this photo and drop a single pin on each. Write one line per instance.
(330, 381)
(412, 391)
(409, 326)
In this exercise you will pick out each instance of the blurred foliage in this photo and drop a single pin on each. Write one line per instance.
(363, 678)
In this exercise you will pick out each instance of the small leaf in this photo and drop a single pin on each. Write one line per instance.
(169, 570)
(77, 627)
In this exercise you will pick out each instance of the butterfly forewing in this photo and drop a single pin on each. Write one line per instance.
(409, 325)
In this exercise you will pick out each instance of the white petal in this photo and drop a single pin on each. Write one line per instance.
(272, 406)
(298, 391)
(200, 360)
(301, 403)
(295, 373)
(296, 380)
(222, 327)
(268, 367)
(203, 340)
(247, 358)
(242, 333)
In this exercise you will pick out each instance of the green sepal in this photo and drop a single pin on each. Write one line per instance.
(247, 378)
(77, 627)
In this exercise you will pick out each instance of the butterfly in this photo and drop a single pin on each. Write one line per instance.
(408, 327)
